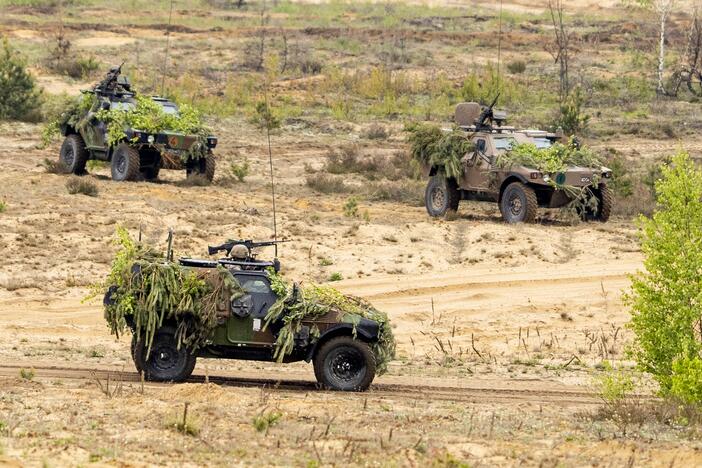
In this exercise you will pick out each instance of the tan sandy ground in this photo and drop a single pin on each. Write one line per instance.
(500, 328)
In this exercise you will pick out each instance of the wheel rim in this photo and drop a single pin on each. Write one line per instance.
(121, 165)
(515, 205)
(164, 358)
(437, 198)
(347, 365)
(68, 156)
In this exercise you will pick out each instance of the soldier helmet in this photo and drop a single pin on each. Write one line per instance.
(239, 252)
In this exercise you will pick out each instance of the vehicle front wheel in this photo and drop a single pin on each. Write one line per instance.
(605, 202)
(441, 196)
(73, 154)
(345, 364)
(518, 203)
(165, 363)
(125, 163)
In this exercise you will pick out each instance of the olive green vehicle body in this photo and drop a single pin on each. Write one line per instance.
(139, 154)
(484, 179)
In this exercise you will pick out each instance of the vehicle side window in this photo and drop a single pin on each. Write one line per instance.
(481, 145)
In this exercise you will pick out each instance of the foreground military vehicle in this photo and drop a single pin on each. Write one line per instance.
(517, 189)
(138, 154)
(345, 347)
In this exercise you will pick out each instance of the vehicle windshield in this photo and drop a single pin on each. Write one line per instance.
(504, 144)
(121, 105)
(542, 143)
(168, 107)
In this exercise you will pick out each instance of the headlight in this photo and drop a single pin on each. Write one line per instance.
(607, 175)
(150, 139)
(547, 178)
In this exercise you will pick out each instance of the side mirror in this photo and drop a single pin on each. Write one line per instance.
(104, 105)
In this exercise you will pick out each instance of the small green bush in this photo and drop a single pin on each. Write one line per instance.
(19, 97)
(79, 185)
(3, 206)
(686, 380)
(351, 207)
(239, 170)
(336, 276)
(27, 374)
(327, 184)
(262, 422)
(666, 294)
(572, 118)
(517, 67)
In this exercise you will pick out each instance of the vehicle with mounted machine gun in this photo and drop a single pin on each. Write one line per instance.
(481, 159)
(139, 135)
(239, 307)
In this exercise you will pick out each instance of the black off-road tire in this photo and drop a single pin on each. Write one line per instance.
(518, 203)
(73, 154)
(126, 163)
(441, 196)
(345, 364)
(151, 173)
(210, 166)
(165, 363)
(137, 357)
(605, 203)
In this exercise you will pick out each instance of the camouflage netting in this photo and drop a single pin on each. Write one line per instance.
(150, 291)
(145, 115)
(296, 305)
(434, 147)
(555, 159)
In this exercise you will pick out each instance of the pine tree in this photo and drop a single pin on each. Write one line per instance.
(19, 96)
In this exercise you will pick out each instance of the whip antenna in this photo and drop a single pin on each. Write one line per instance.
(168, 45)
(499, 47)
(270, 163)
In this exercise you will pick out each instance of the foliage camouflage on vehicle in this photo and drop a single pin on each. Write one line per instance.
(150, 291)
(432, 146)
(298, 304)
(480, 159)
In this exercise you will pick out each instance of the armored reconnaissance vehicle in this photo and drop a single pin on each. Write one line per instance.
(99, 127)
(489, 170)
(238, 307)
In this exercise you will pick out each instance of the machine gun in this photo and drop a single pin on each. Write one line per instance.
(248, 243)
(487, 115)
(250, 262)
(111, 85)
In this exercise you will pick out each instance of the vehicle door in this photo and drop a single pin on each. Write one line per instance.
(249, 311)
(478, 165)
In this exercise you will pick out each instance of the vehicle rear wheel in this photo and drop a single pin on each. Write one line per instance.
(125, 163)
(73, 154)
(518, 203)
(345, 364)
(441, 196)
(165, 363)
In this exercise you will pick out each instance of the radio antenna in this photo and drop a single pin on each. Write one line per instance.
(168, 45)
(268, 123)
(499, 48)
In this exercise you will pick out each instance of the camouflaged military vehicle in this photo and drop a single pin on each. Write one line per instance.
(245, 311)
(137, 154)
(517, 188)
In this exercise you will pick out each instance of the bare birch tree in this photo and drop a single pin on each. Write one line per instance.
(560, 49)
(663, 9)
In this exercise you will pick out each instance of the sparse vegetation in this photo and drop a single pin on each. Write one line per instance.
(351, 207)
(336, 276)
(26, 374)
(3, 206)
(81, 185)
(266, 419)
(183, 423)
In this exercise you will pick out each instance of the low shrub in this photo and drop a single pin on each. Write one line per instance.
(517, 67)
(351, 207)
(81, 185)
(55, 167)
(3, 206)
(327, 184)
(239, 170)
(376, 132)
